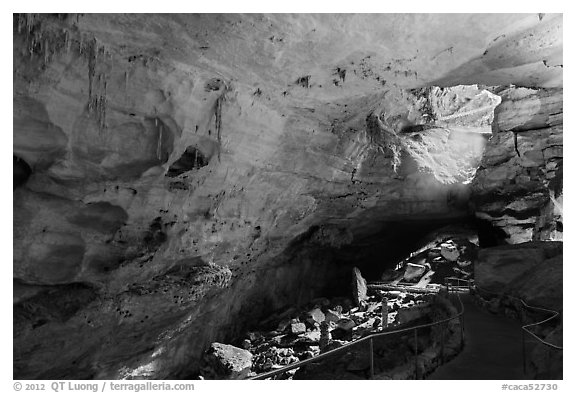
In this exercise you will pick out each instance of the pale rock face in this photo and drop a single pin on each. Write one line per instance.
(186, 167)
(413, 271)
(359, 287)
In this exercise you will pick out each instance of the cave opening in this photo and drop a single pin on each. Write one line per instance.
(192, 158)
(357, 174)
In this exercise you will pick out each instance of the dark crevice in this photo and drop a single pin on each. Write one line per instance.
(191, 159)
(489, 235)
(22, 172)
(516, 143)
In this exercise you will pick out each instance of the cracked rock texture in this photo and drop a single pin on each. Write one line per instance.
(180, 176)
(518, 186)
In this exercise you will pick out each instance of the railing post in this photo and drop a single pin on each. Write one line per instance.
(384, 313)
(415, 353)
(371, 358)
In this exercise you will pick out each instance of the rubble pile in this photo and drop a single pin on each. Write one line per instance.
(447, 258)
(322, 325)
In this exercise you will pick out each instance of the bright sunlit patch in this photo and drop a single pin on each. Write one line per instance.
(445, 131)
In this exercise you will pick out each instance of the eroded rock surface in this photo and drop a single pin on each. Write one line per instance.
(190, 173)
(518, 187)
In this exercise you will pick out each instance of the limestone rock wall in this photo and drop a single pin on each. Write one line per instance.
(185, 167)
(518, 187)
(531, 271)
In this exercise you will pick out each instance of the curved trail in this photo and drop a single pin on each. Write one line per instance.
(493, 348)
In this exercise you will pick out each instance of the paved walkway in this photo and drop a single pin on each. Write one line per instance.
(493, 348)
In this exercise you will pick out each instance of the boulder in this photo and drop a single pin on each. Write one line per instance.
(449, 252)
(359, 288)
(297, 328)
(317, 315)
(345, 324)
(332, 316)
(228, 362)
(413, 272)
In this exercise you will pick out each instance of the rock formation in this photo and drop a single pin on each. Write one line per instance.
(178, 177)
(518, 187)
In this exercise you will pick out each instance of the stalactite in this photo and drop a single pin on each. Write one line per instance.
(81, 44)
(218, 122)
(91, 66)
(103, 104)
(159, 147)
(30, 20)
(67, 41)
(46, 50)
(21, 23)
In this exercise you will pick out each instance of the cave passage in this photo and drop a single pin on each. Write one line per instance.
(218, 195)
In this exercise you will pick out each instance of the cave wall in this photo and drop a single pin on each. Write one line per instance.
(149, 250)
(518, 187)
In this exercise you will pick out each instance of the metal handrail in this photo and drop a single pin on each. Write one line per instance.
(526, 327)
(370, 338)
(469, 284)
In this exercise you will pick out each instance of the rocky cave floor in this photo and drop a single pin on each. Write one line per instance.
(298, 333)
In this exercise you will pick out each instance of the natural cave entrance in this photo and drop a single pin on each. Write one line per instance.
(250, 175)
(439, 137)
(383, 250)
